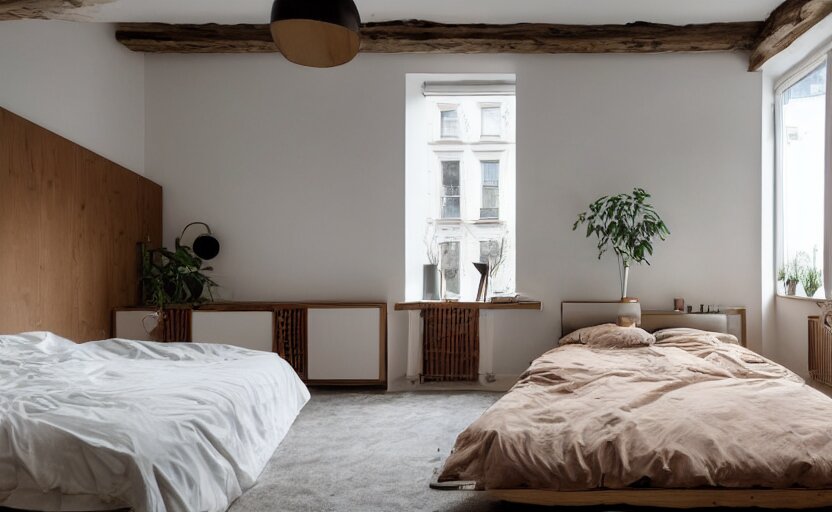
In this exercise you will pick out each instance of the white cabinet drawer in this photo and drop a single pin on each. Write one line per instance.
(344, 344)
(134, 324)
(248, 329)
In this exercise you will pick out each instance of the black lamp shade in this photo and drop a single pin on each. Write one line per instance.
(316, 33)
(206, 247)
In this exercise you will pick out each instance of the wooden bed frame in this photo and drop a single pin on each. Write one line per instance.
(673, 498)
(584, 314)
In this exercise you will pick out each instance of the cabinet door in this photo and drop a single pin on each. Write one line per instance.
(247, 329)
(344, 344)
(134, 324)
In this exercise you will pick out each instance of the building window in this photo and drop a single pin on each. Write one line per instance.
(450, 124)
(802, 130)
(491, 252)
(490, 190)
(450, 198)
(449, 265)
(491, 121)
(460, 183)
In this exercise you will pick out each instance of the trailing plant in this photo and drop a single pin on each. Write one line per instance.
(173, 277)
(811, 281)
(628, 225)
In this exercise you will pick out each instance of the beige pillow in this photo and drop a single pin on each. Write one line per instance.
(699, 335)
(609, 336)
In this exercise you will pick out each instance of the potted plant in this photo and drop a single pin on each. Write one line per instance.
(791, 273)
(173, 278)
(811, 281)
(627, 224)
(430, 271)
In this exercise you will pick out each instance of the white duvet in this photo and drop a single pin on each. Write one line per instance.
(157, 427)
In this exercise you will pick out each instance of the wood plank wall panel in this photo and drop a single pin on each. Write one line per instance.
(820, 352)
(69, 224)
(451, 343)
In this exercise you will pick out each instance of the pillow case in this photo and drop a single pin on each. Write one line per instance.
(702, 336)
(609, 336)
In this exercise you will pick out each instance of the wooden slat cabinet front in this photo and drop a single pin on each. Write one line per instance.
(331, 344)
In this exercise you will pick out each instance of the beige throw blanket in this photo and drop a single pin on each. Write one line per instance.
(688, 411)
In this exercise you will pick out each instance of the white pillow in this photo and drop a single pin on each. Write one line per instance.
(610, 336)
(685, 332)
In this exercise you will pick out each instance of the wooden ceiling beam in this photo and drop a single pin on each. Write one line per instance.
(415, 36)
(44, 9)
(785, 24)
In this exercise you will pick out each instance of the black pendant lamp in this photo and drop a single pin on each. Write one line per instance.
(316, 33)
(205, 245)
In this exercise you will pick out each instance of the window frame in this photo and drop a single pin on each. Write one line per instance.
(449, 107)
(443, 157)
(790, 78)
(501, 126)
(482, 163)
(458, 268)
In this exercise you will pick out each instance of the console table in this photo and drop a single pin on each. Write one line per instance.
(327, 343)
(445, 340)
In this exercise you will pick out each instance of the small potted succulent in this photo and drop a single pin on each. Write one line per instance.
(628, 225)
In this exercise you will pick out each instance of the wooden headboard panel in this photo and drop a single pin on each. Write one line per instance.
(69, 224)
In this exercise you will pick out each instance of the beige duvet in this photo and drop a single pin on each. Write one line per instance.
(688, 411)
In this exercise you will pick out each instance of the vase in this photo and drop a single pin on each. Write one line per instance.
(791, 287)
(625, 281)
(430, 282)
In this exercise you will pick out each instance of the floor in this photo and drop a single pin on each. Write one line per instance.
(353, 451)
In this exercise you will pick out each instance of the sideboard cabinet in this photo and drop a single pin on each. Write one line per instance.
(326, 343)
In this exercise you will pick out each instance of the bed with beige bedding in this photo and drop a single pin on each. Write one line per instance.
(682, 418)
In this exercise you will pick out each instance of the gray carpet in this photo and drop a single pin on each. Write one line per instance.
(353, 451)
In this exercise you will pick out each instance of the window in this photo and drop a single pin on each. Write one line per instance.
(492, 118)
(450, 189)
(459, 183)
(450, 124)
(450, 267)
(490, 190)
(802, 130)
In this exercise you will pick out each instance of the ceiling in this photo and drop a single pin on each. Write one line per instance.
(677, 12)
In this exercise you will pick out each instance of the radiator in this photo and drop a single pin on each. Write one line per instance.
(290, 337)
(451, 343)
(820, 351)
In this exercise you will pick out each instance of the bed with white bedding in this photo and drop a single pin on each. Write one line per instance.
(156, 427)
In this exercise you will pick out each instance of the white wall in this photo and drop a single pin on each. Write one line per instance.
(301, 174)
(77, 81)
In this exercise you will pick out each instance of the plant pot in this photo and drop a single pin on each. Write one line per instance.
(430, 282)
(810, 292)
(627, 317)
(791, 287)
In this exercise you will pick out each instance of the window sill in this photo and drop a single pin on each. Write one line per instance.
(799, 298)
